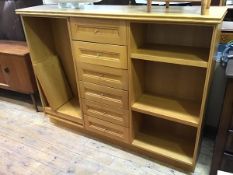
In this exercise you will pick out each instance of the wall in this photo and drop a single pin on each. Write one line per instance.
(10, 24)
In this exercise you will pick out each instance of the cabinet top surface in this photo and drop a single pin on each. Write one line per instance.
(190, 14)
(13, 47)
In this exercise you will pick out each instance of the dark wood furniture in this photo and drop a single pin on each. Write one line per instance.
(223, 153)
(16, 72)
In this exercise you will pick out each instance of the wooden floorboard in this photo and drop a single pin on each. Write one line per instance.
(31, 145)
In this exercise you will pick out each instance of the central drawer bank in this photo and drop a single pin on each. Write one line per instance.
(134, 78)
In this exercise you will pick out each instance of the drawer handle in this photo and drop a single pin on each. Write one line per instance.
(7, 70)
(99, 54)
(96, 31)
(101, 75)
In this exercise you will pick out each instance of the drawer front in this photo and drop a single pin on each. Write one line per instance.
(4, 73)
(226, 37)
(106, 113)
(106, 95)
(107, 129)
(107, 76)
(101, 31)
(101, 54)
(229, 143)
(227, 163)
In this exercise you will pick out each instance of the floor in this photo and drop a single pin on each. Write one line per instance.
(31, 145)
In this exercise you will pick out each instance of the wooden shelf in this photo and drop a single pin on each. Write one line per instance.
(181, 111)
(166, 145)
(182, 55)
(71, 108)
(70, 111)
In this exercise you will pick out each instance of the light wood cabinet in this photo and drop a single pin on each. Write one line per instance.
(137, 78)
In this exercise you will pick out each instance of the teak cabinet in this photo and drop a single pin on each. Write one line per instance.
(141, 80)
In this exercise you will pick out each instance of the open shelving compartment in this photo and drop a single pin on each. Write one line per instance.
(168, 91)
(164, 138)
(51, 55)
(169, 64)
(171, 43)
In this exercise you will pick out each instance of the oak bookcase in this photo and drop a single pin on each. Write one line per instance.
(137, 79)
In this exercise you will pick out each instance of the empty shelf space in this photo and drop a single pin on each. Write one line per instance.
(165, 145)
(71, 108)
(182, 111)
(182, 55)
(70, 111)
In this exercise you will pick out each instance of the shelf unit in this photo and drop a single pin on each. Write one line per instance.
(51, 55)
(169, 68)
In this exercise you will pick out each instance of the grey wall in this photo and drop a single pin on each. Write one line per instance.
(10, 24)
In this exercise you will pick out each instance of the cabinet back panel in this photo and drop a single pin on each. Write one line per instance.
(39, 38)
(63, 50)
(182, 35)
(176, 81)
(156, 125)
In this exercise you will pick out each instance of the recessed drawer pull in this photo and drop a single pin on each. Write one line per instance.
(96, 31)
(99, 54)
(7, 70)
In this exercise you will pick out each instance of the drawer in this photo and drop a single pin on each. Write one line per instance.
(107, 129)
(106, 113)
(229, 143)
(106, 95)
(101, 31)
(101, 54)
(226, 37)
(227, 163)
(107, 76)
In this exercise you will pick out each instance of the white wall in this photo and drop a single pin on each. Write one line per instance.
(49, 1)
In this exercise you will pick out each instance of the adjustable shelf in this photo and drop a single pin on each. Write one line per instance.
(182, 55)
(181, 111)
(164, 138)
(169, 67)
